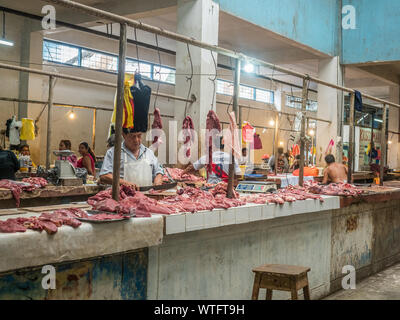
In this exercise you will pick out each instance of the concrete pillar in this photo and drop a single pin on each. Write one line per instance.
(197, 19)
(393, 159)
(330, 106)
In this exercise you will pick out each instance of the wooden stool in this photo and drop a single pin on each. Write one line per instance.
(281, 277)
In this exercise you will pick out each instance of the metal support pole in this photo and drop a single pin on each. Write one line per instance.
(94, 130)
(303, 129)
(351, 140)
(236, 110)
(276, 143)
(119, 112)
(308, 144)
(372, 137)
(383, 145)
(49, 123)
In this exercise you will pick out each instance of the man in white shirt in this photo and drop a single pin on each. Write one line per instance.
(132, 152)
(220, 165)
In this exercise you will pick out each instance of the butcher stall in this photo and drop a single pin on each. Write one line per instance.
(197, 243)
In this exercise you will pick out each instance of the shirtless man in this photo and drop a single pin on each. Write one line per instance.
(335, 172)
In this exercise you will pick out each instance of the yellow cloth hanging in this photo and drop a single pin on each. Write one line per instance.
(128, 115)
(27, 129)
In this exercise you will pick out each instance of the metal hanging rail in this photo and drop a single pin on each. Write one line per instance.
(174, 36)
(86, 80)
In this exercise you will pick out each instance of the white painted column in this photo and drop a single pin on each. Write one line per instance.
(329, 108)
(198, 19)
(393, 159)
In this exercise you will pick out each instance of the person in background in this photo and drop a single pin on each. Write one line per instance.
(66, 145)
(88, 158)
(9, 164)
(220, 164)
(24, 151)
(243, 160)
(296, 164)
(378, 157)
(283, 164)
(334, 172)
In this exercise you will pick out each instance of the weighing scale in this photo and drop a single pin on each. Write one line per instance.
(256, 187)
(65, 170)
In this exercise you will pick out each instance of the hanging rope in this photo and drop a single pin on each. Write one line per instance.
(189, 78)
(157, 72)
(137, 49)
(213, 79)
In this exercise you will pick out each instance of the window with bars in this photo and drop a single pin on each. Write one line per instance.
(246, 92)
(224, 87)
(61, 53)
(264, 96)
(99, 61)
(295, 102)
(164, 74)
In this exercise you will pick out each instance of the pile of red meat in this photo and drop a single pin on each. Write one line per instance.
(221, 188)
(333, 189)
(46, 221)
(179, 175)
(289, 194)
(29, 184)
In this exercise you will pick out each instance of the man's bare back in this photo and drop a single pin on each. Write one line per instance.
(335, 172)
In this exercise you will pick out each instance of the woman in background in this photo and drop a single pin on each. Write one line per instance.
(88, 158)
(66, 145)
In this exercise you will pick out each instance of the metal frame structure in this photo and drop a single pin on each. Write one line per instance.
(125, 22)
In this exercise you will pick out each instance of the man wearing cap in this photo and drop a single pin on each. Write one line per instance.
(139, 166)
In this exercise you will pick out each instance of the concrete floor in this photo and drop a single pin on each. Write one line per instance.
(384, 285)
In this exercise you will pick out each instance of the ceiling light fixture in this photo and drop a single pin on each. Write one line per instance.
(249, 68)
(3, 39)
(72, 115)
(271, 122)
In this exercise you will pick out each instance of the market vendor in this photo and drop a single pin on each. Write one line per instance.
(139, 166)
(25, 153)
(66, 145)
(334, 172)
(9, 164)
(219, 166)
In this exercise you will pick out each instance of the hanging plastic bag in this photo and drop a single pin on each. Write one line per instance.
(129, 109)
(27, 129)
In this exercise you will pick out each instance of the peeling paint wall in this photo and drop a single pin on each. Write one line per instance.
(122, 276)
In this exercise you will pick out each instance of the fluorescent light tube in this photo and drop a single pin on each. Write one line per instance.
(6, 42)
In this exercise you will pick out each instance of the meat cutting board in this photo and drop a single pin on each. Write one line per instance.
(56, 207)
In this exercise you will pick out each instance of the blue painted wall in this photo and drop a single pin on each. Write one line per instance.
(122, 276)
(310, 22)
(376, 37)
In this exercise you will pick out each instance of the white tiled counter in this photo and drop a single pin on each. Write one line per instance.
(186, 222)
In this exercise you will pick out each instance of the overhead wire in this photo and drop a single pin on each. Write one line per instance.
(157, 72)
(189, 79)
(213, 79)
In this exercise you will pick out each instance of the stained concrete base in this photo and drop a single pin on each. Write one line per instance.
(384, 285)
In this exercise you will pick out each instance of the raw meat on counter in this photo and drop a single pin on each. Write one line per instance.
(36, 181)
(333, 189)
(47, 221)
(16, 188)
(179, 175)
